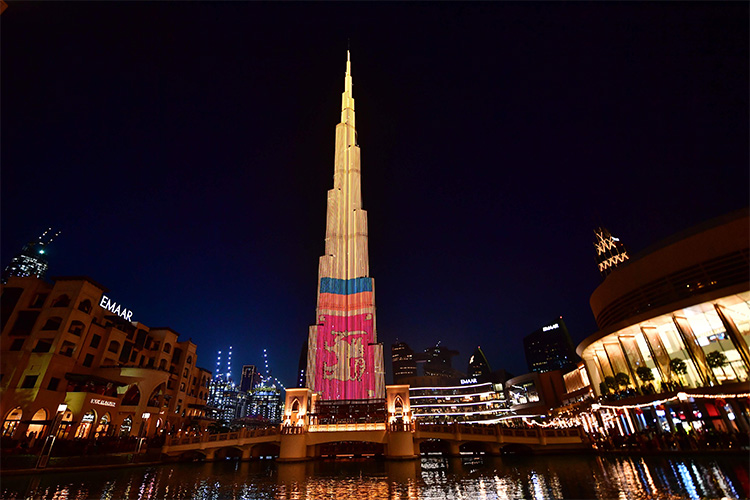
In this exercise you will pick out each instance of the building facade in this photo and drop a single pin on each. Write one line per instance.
(550, 348)
(676, 320)
(466, 400)
(345, 360)
(69, 349)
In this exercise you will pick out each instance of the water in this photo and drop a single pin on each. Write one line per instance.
(535, 477)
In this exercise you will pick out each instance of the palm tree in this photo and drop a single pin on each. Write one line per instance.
(679, 367)
(717, 359)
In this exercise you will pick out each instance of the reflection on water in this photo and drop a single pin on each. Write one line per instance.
(532, 477)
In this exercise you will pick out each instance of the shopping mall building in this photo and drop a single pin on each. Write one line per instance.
(674, 321)
(74, 359)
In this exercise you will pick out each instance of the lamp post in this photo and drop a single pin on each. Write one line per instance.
(50, 441)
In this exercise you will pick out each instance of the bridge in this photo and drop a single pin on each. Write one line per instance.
(300, 437)
(399, 441)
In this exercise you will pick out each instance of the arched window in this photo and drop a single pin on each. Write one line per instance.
(61, 301)
(76, 327)
(295, 406)
(163, 364)
(185, 373)
(156, 395)
(85, 306)
(38, 424)
(67, 348)
(87, 422)
(182, 386)
(167, 348)
(53, 323)
(398, 407)
(126, 426)
(11, 421)
(103, 427)
(132, 397)
(190, 360)
(114, 346)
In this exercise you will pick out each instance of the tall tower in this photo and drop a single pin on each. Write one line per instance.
(344, 359)
(31, 260)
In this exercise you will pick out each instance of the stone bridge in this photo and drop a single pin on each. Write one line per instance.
(400, 441)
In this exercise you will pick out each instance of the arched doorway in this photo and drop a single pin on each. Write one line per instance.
(11, 421)
(87, 422)
(38, 425)
(103, 428)
(127, 426)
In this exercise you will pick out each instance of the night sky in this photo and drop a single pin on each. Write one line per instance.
(185, 150)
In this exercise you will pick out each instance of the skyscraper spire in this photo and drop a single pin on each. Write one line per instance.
(344, 360)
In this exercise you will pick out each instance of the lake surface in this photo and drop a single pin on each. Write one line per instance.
(508, 477)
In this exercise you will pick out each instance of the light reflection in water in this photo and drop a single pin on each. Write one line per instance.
(434, 478)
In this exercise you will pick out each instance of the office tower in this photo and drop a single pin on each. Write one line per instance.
(403, 362)
(250, 378)
(345, 361)
(610, 252)
(479, 367)
(31, 261)
(265, 401)
(550, 348)
(302, 367)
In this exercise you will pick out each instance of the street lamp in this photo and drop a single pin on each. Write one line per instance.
(50, 441)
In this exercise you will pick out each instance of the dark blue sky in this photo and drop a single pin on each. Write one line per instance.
(185, 150)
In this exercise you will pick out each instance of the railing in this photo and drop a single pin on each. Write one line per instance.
(226, 436)
(371, 426)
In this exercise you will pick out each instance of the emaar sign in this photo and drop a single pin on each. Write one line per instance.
(115, 308)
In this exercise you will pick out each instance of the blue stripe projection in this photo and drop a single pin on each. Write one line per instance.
(345, 287)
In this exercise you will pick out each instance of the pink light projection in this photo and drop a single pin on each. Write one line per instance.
(345, 368)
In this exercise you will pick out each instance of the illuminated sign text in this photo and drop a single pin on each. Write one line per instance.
(115, 308)
(550, 327)
(103, 402)
(465, 381)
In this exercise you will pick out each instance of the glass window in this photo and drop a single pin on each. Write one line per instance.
(29, 381)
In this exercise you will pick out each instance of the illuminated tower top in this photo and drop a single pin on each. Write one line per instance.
(610, 252)
(344, 360)
(31, 261)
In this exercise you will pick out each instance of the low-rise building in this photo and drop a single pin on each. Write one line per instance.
(71, 352)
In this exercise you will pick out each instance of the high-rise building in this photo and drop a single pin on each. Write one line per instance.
(478, 365)
(550, 348)
(610, 252)
(345, 361)
(403, 362)
(31, 261)
(265, 402)
(222, 392)
(250, 378)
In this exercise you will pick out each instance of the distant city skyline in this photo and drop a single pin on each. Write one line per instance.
(188, 166)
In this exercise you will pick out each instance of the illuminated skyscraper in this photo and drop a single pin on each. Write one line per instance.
(344, 360)
(31, 260)
(250, 378)
(550, 348)
(610, 252)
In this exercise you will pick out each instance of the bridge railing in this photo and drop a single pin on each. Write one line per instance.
(370, 426)
(225, 436)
